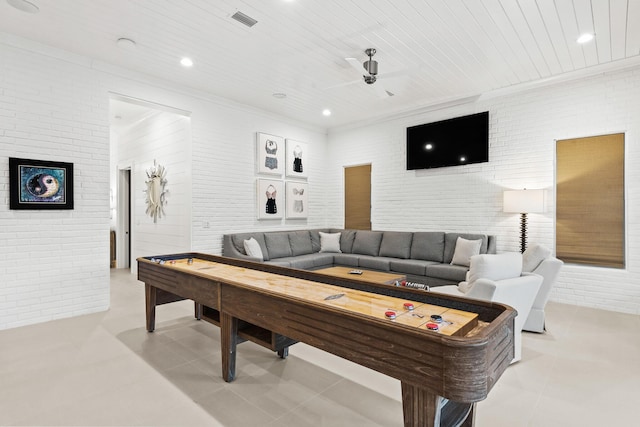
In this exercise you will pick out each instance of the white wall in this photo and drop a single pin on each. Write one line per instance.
(523, 130)
(224, 173)
(51, 265)
(162, 139)
(54, 105)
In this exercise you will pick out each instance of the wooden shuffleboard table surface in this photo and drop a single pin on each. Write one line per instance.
(443, 372)
(454, 322)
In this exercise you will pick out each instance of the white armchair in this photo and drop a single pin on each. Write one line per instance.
(499, 278)
(537, 259)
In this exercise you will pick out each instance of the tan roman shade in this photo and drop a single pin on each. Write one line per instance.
(590, 224)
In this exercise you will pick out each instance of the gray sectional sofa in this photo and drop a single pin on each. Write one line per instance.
(424, 257)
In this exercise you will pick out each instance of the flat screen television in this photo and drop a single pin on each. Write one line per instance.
(452, 142)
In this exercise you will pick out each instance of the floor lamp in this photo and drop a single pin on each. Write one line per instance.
(523, 202)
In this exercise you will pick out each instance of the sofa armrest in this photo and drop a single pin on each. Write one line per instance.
(549, 269)
(229, 250)
(518, 292)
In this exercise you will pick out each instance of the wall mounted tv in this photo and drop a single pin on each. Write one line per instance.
(452, 142)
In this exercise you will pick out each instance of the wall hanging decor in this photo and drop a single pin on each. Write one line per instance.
(156, 193)
(270, 154)
(297, 156)
(271, 199)
(297, 196)
(39, 184)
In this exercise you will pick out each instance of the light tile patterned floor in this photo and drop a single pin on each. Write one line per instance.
(105, 369)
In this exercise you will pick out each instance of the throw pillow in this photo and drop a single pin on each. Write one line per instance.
(465, 249)
(533, 256)
(329, 242)
(252, 248)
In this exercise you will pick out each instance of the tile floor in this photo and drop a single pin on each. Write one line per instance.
(105, 369)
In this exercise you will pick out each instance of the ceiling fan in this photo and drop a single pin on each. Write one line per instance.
(371, 68)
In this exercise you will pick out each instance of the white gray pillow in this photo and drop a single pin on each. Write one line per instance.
(252, 248)
(533, 256)
(465, 249)
(330, 242)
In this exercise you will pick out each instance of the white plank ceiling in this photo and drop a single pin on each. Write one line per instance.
(429, 52)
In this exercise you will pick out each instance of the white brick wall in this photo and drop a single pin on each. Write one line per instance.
(55, 105)
(524, 127)
(224, 173)
(51, 266)
(164, 138)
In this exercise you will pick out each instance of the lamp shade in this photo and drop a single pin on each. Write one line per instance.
(523, 201)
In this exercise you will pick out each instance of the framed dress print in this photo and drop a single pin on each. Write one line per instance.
(297, 156)
(270, 154)
(270, 199)
(297, 199)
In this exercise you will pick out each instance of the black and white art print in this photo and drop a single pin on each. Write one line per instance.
(270, 199)
(297, 199)
(270, 154)
(297, 159)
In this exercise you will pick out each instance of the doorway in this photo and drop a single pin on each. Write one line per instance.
(123, 250)
(357, 197)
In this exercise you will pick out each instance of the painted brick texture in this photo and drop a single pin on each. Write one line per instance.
(523, 130)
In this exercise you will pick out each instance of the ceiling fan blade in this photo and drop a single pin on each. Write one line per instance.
(355, 63)
(352, 82)
(382, 92)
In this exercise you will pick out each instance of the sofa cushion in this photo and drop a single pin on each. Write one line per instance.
(315, 240)
(348, 260)
(396, 244)
(300, 242)
(416, 267)
(533, 256)
(238, 242)
(450, 240)
(374, 262)
(452, 273)
(278, 244)
(428, 245)
(252, 248)
(346, 240)
(280, 262)
(464, 250)
(330, 242)
(367, 242)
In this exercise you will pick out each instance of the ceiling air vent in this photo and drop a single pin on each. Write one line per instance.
(244, 19)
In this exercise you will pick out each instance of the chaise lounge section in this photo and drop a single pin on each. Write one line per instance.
(433, 258)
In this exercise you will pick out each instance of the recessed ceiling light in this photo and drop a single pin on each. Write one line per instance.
(279, 95)
(584, 38)
(326, 112)
(126, 44)
(186, 62)
(24, 6)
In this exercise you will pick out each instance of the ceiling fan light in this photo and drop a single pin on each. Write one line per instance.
(371, 66)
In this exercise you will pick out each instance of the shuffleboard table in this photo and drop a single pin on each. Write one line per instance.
(443, 369)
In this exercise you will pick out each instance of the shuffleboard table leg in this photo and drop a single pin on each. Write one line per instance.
(420, 407)
(197, 310)
(150, 305)
(228, 344)
(283, 353)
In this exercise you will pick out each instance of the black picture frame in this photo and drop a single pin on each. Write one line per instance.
(40, 184)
